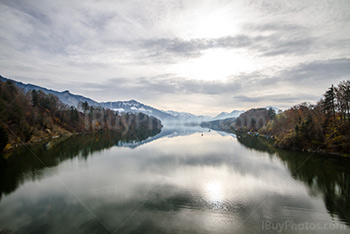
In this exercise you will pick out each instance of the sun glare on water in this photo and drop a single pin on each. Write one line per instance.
(214, 192)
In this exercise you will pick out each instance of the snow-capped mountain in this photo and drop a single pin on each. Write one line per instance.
(225, 115)
(121, 106)
(126, 106)
(188, 117)
(134, 107)
(181, 115)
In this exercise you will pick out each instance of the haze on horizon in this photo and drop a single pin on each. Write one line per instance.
(197, 56)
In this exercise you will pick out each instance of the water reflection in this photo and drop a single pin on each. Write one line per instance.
(325, 176)
(214, 192)
(29, 161)
(184, 180)
(167, 131)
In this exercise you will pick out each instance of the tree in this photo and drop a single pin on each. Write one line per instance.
(85, 106)
(271, 113)
(3, 138)
(34, 98)
(253, 123)
(74, 116)
(11, 86)
(343, 100)
(329, 103)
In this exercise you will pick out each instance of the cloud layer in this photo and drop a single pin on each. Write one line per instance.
(198, 56)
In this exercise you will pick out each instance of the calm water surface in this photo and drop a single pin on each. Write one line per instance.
(176, 181)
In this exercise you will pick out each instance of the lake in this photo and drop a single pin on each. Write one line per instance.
(181, 180)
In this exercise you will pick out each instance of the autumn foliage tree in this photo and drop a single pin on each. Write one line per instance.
(321, 127)
(33, 115)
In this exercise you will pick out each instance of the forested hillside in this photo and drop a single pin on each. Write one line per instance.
(323, 127)
(31, 116)
(254, 119)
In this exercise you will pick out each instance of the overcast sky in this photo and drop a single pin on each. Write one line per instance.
(199, 56)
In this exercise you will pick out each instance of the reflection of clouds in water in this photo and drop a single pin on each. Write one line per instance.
(189, 182)
(186, 162)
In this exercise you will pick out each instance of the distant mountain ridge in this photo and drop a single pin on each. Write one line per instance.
(132, 106)
(65, 97)
(254, 119)
(226, 115)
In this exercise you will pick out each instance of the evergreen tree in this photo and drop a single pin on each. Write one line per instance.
(343, 100)
(271, 113)
(34, 98)
(329, 103)
(74, 116)
(85, 106)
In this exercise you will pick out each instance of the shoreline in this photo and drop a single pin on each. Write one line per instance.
(272, 138)
(321, 152)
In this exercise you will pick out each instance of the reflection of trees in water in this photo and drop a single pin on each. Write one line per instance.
(255, 143)
(325, 175)
(28, 163)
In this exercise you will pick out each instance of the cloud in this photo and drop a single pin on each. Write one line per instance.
(246, 90)
(280, 27)
(316, 75)
(167, 84)
(85, 32)
(304, 82)
(319, 70)
(271, 45)
(277, 98)
(157, 52)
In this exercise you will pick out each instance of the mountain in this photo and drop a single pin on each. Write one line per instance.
(126, 106)
(226, 115)
(188, 117)
(65, 97)
(121, 106)
(135, 107)
(181, 115)
(27, 117)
